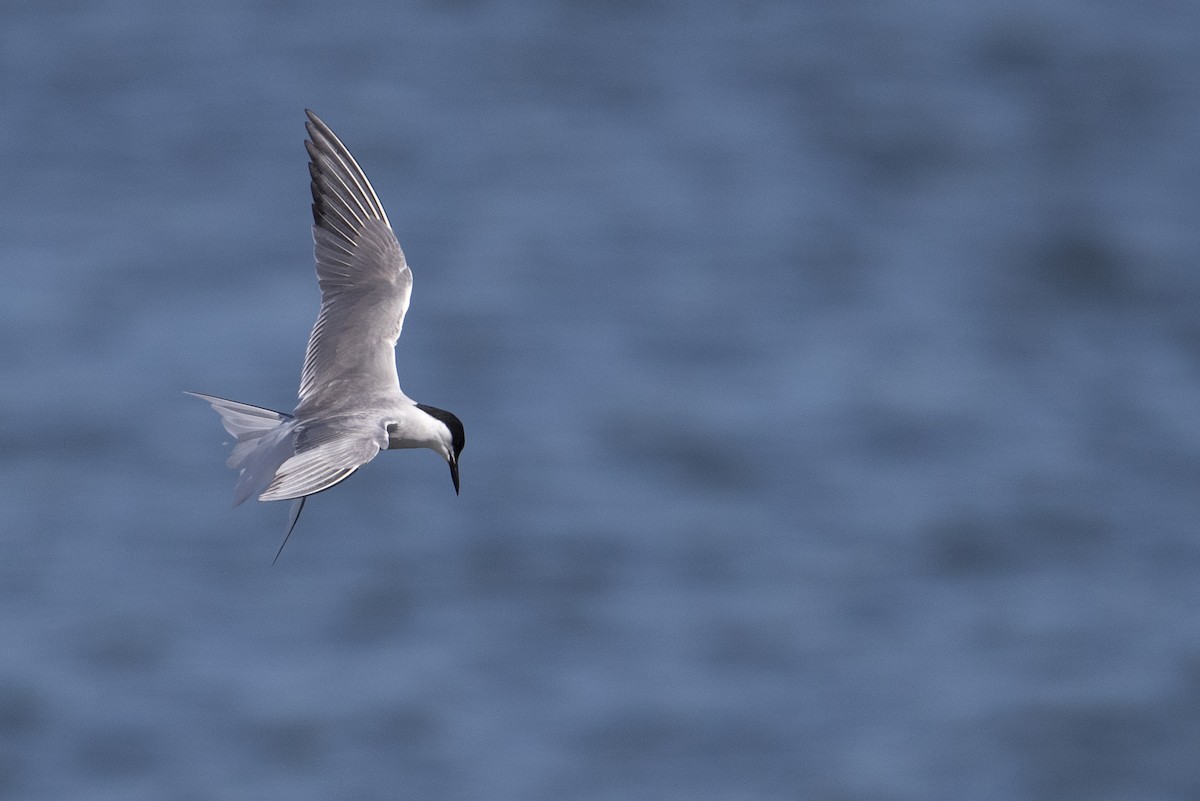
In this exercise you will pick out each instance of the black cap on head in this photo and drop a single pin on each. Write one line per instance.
(458, 437)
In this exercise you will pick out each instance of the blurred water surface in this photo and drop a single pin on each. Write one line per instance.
(830, 374)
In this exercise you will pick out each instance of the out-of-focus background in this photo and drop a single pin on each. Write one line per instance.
(831, 377)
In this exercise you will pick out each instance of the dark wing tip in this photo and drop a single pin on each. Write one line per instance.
(340, 188)
(315, 123)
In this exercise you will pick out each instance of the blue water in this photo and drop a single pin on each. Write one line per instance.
(831, 377)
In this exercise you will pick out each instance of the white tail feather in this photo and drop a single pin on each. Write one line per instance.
(265, 440)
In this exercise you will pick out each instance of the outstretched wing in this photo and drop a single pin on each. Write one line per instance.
(365, 282)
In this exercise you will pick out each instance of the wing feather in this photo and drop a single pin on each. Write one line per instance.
(324, 459)
(365, 281)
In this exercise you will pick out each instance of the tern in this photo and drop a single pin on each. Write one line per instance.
(350, 403)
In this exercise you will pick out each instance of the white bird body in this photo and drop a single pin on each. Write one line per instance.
(350, 402)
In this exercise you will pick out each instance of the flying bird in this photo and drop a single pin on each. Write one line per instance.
(350, 403)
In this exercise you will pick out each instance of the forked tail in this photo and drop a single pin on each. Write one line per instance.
(265, 440)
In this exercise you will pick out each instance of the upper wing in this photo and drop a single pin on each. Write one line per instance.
(365, 282)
